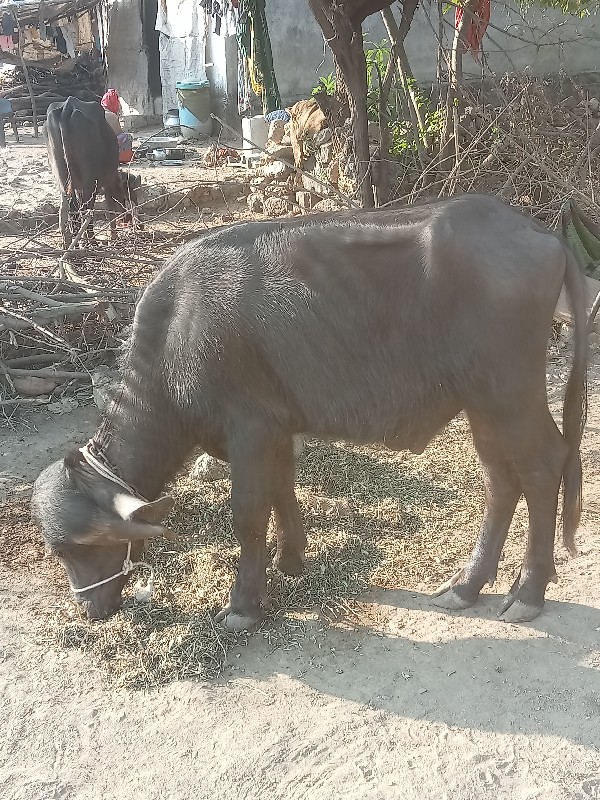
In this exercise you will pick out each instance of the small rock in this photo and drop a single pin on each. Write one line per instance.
(276, 206)
(255, 202)
(277, 131)
(34, 386)
(327, 205)
(594, 106)
(226, 217)
(207, 468)
(277, 169)
(260, 180)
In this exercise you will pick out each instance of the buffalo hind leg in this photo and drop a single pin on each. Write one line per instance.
(251, 454)
(88, 201)
(291, 538)
(64, 221)
(540, 470)
(502, 492)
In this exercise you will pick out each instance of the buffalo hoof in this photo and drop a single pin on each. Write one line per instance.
(517, 611)
(450, 600)
(237, 622)
(289, 563)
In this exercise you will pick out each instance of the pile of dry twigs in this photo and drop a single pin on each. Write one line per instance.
(533, 141)
(63, 313)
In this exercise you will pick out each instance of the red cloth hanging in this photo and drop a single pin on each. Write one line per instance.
(474, 31)
(110, 101)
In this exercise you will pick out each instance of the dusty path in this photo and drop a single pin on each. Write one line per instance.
(407, 703)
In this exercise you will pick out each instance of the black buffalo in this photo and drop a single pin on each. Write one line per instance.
(379, 327)
(83, 153)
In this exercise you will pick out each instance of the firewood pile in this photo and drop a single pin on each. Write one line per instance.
(54, 333)
(51, 86)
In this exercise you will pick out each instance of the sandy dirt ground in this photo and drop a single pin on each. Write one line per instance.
(27, 187)
(406, 701)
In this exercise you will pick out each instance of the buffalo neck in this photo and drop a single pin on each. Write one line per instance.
(145, 448)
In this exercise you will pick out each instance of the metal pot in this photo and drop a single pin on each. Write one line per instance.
(172, 118)
(175, 154)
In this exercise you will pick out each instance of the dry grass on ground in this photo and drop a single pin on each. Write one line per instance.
(373, 518)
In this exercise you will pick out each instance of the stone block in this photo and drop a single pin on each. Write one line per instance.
(276, 206)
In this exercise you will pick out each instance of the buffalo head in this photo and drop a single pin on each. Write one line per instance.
(88, 522)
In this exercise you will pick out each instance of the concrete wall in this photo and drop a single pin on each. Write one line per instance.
(127, 59)
(221, 70)
(298, 54)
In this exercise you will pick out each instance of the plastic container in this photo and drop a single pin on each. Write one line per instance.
(193, 98)
(256, 129)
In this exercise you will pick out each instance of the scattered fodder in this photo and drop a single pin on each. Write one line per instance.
(373, 518)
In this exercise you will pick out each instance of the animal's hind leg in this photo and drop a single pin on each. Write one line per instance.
(64, 222)
(539, 462)
(502, 492)
(88, 201)
(251, 454)
(291, 538)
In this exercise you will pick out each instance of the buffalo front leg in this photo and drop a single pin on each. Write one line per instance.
(502, 492)
(291, 538)
(251, 455)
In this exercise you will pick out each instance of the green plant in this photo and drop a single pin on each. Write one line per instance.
(377, 56)
(326, 84)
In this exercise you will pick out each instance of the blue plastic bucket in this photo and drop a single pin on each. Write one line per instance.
(193, 99)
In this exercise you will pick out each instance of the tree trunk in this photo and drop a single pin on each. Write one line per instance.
(397, 34)
(449, 145)
(342, 30)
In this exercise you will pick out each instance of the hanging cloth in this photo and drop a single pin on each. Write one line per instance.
(255, 45)
(475, 29)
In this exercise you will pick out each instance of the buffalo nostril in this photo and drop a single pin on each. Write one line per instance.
(99, 612)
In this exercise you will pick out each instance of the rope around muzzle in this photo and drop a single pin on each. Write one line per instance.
(142, 593)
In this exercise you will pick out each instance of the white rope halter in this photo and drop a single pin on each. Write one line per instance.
(128, 566)
(141, 592)
(103, 469)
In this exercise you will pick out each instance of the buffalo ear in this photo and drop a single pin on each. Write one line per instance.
(154, 512)
(134, 510)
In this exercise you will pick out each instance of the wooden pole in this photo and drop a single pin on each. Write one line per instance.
(27, 81)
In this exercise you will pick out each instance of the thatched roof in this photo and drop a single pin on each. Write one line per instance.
(28, 11)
